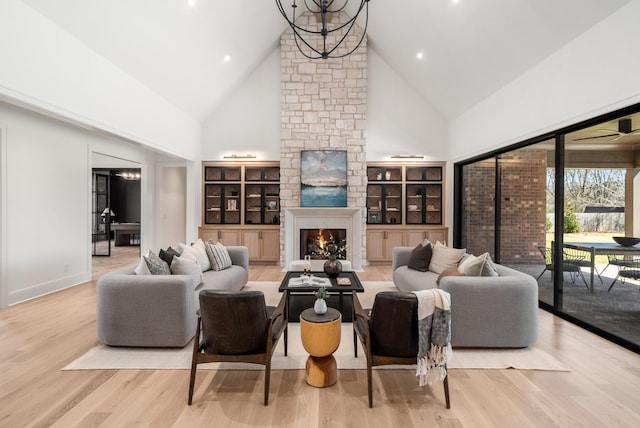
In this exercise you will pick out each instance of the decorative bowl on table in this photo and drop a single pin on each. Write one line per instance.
(626, 241)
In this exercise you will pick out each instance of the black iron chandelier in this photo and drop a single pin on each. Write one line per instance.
(322, 10)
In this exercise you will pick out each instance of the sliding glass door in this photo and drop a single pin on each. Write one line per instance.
(550, 207)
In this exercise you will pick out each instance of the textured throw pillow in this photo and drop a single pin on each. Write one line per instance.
(203, 258)
(168, 254)
(189, 267)
(450, 271)
(219, 256)
(444, 257)
(156, 265)
(142, 268)
(196, 254)
(480, 266)
(420, 257)
(466, 260)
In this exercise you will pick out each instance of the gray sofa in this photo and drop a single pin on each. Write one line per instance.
(159, 310)
(486, 311)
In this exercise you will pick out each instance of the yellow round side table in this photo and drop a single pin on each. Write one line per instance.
(320, 338)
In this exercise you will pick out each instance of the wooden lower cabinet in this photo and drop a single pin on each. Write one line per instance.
(380, 242)
(264, 245)
(415, 236)
(226, 236)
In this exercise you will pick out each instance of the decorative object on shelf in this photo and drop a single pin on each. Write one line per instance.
(320, 306)
(322, 12)
(107, 215)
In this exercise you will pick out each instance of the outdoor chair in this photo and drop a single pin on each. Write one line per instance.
(571, 265)
(238, 327)
(630, 269)
(618, 260)
(388, 333)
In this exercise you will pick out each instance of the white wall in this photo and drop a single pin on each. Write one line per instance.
(44, 67)
(399, 121)
(248, 121)
(593, 74)
(46, 170)
(172, 202)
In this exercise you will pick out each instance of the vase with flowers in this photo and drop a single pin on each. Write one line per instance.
(320, 306)
(332, 267)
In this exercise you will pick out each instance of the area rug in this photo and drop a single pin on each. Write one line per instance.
(104, 357)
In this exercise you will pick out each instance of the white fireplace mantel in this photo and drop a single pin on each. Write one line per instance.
(323, 218)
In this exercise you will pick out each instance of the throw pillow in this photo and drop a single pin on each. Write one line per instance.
(420, 258)
(142, 268)
(466, 260)
(189, 267)
(195, 253)
(450, 271)
(202, 257)
(219, 256)
(168, 254)
(444, 257)
(156, 265)
(481, 266)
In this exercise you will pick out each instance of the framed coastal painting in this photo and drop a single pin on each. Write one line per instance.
(323, 178)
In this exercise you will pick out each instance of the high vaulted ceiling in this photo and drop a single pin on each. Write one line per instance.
(471, 48)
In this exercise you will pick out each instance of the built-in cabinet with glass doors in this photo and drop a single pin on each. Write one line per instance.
(405, 206)
(241, 205)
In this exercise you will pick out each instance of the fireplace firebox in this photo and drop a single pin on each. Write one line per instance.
(321, 243)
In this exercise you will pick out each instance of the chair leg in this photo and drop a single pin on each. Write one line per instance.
(267, 379)
(541, 273)
(286, 339)
(355, 343)
(192, 380)
(583, 279)
(446, 391)
(614, 281)
(369, 383)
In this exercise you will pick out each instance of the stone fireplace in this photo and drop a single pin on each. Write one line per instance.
(347, 219)
(323, 107)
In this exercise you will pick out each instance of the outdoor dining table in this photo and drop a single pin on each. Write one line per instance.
(602, 248)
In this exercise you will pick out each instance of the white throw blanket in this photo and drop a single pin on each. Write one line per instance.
(434, 335)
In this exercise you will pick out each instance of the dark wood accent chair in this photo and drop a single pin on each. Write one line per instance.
(238, 327)
(389, 334)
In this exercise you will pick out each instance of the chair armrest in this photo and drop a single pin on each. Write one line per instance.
(360, 319)
(278, 319)
(239, 255)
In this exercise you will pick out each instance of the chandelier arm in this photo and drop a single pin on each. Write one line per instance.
(364, 33)
(297, 38)
(318, 5)
(352, 20)
(291, 23)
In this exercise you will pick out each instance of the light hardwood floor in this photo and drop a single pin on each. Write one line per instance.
(40, 337)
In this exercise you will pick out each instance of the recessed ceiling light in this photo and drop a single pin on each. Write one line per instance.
(455, 1)
(191, 3)
(227, 58)
(420, 55)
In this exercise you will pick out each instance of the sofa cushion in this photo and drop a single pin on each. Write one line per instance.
(479, 266)
(450, 271)
(194, 253)
(189, 267)
(444, 257)
(412, 280)
(142, 268)
(156, 265)
(203, 257)
(168, 254)
(218, 256)
(420, 257)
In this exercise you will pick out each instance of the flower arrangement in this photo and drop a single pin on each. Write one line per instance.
(322, 293)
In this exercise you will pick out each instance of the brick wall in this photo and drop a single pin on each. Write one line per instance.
(523, 213)
(323, 107)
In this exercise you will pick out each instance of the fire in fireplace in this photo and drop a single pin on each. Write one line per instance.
(321, 243)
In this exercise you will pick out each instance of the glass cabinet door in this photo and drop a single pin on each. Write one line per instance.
(384, 204)
(222, 203)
